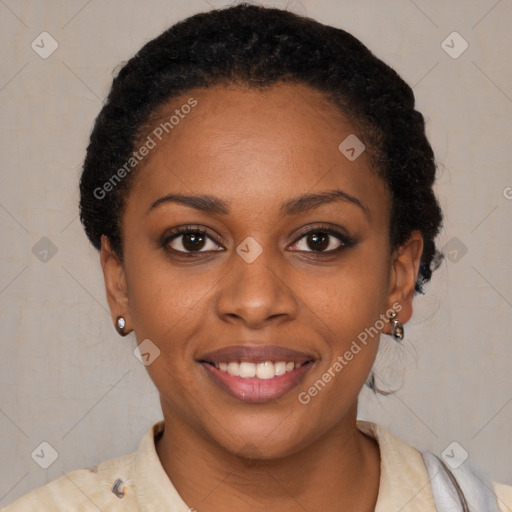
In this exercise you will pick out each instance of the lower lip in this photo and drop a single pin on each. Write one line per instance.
(254, 390)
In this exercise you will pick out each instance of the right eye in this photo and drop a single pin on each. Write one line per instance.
(190, 240)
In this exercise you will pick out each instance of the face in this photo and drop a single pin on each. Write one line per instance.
(255, 254)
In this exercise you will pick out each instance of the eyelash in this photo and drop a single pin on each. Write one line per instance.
(345, 240)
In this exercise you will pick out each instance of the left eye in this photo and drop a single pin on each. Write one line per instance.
(319, 241)
(192, 241)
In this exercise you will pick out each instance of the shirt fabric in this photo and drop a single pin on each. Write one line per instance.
(137, 482)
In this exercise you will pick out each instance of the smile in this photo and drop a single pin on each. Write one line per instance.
(256, 374)
(265, 370)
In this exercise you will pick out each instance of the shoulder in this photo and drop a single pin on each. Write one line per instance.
(397, 457)
(404, 467)
(504, 495)
(403, 477)
(85, 490)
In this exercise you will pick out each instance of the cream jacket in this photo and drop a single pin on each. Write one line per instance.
(137, 482)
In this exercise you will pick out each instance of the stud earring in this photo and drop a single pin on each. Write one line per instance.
(397, 328)
(120, 325)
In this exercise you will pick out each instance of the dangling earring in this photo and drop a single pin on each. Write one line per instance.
(397, 328)
(120, 325)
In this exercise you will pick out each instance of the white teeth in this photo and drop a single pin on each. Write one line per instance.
(233, 369)
(280, 368)
(265, 370)
(247, 370)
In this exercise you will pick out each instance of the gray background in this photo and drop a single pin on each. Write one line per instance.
(68, 379)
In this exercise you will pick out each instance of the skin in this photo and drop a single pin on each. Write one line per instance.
(255, 150)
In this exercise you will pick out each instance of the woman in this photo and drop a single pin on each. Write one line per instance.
(259, 187)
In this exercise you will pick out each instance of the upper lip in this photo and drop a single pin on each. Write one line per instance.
(255, 354)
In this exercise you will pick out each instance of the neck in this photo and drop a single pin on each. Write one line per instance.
(339, 471)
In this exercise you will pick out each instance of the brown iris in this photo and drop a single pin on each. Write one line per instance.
(318, 241)
(193, 241)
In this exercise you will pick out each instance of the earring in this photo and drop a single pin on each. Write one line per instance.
(397, 328)
(120, 325)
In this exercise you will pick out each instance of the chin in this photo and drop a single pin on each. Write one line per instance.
(265, 436)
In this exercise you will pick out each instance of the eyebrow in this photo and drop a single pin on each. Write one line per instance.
(294, 206)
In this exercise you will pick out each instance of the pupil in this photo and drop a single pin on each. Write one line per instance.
(319, 241)
(193, 241)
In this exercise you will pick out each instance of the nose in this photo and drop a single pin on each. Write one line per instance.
(257, 293)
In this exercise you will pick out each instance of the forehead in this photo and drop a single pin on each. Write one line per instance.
(255, 145)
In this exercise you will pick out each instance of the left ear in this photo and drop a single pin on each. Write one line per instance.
(403, 276)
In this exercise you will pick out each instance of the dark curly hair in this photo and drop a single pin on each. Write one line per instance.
(259, 47)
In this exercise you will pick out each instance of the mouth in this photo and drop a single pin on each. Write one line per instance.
(257, 374)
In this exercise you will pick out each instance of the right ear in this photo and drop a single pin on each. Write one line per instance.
(115, 282)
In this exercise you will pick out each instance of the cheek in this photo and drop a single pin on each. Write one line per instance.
(351, 298)
(166, 301)
(167, 306)
(347, 309)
